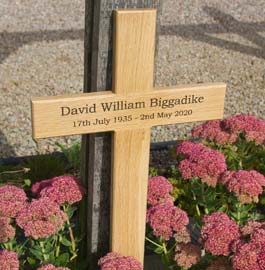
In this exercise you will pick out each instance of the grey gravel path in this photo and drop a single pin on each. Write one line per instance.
(41, 53)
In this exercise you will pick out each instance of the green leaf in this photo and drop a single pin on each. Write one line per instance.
(262, 199)
(66, 242)
(63, 259)
(158, 250)
(70, 211)
(27, 182)
(37, 253)
(31, 261)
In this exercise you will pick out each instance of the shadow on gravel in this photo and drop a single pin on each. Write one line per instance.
(5, 148)
(225, 24)
(10, 42)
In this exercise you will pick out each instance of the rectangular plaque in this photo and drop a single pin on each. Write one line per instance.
(106, 111)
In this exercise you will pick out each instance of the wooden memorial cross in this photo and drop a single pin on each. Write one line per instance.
(130, 110)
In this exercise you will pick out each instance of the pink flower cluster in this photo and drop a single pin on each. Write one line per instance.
(218, 233)
(61, 189)
(12, 200)
(7, 231)
(228, 130)
(252, 127)
(247, 185)
(182, 236)
(41, 218)
(8, 260)
(201, 161)
(250, 252)
(245, 258)
(188, 255)
(159, 189)
(52, 267)
(165, 219)
(214, 131)
(115, 261)
(251, 227)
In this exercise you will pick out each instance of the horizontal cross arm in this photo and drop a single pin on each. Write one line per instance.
(106, 111)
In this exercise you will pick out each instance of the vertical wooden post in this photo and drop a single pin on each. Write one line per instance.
(96, 149)
(133, 73)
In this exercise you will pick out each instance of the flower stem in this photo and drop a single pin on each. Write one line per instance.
(238, 213)
(24, 170)
(21, 247)
(57, 252)
(165, 248)
(8, 245)
(240, 165)
(45, 257)
(71, 234)
(166, 254)
(196, 205)
(203, 199)
(153, 242)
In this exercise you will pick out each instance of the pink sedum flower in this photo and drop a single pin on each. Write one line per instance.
(38, 186)
(218, 233)
(52, 267)
(252, 127)
(182, 236)
(215, 132)
(41, 218)
(246, 258)
(61, 189)
(258, 238)
(250, 252)
(7, 231)
(251, 227)
(165, 219)
(201, 161)
(188, 255)
(8, 260)
(12, 200)
(115, 261)
(228, 130)
(261, 259)
(159, 189)
(247, 185)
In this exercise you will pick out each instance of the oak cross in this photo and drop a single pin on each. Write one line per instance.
(129, 110)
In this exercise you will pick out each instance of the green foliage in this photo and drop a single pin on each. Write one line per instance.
(153, 171)
(72, 154)
(44, 167)
(242, 155)
(10, 174)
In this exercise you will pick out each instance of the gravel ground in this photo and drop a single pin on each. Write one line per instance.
(41, 53)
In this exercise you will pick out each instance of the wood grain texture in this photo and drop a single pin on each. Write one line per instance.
(48, 120)
(129, 194)
(134, 51)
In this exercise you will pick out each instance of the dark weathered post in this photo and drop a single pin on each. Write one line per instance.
(96, 149)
